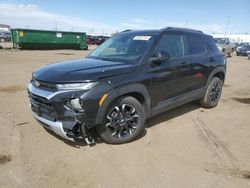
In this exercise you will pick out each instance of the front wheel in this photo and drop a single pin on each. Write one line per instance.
(123, 121)
(213, 93)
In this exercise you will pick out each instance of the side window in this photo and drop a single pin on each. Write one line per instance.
(172, 44)
(212, 46)
(195, 44)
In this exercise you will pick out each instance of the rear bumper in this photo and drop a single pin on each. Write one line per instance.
(56, 127)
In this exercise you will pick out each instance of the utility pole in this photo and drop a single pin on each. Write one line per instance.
(186, 24)
(228, 19)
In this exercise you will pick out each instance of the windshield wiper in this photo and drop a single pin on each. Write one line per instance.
(101, 58)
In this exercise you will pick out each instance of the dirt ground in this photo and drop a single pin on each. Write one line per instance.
(186, 147)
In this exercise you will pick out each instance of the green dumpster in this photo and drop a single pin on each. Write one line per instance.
(42, 39)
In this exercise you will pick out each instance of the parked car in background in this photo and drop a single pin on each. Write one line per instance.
(240, 45)
(91, 40)
(225, 46)
(101, 39)
(244, 50)
(5, 36)
(96, 40)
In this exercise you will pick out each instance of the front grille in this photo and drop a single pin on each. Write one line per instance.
(45, 108)
(43, 85)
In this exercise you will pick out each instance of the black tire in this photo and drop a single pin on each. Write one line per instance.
(213, 93)
(123, 121)
(86, 48)
(2, 40)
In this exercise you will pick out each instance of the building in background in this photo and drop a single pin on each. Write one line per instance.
(235, 38)
(4, 27)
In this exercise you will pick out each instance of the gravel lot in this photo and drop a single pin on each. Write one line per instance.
(185, 147)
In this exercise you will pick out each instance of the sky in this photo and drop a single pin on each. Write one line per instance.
(109, 16)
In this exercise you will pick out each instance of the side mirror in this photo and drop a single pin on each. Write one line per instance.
(159, 57)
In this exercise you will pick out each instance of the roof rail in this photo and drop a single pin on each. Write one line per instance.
(126, 30)
(182, 28)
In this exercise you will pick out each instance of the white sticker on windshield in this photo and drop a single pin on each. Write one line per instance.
(142, 38)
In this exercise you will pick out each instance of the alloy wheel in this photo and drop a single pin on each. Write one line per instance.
(122, 121)
(215, 92)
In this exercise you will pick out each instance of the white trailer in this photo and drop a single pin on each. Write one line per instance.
(234, 38)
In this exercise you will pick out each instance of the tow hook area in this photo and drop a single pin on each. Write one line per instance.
(85, 133)
(81, 132)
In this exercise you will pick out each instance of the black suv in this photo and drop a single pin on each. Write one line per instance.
(244, 50)
(131, 77)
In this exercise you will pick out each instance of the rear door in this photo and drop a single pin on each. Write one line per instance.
(200, 59)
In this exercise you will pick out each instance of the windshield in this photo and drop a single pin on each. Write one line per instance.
(246, 47)
(245, 44)
(125, 47)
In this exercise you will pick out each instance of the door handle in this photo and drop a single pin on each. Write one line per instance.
(211, 59)
(186, 62)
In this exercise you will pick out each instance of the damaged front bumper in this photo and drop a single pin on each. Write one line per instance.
(56, 127)
(52, 110)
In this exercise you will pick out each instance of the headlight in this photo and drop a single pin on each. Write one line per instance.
(75, 103)
(76, 86)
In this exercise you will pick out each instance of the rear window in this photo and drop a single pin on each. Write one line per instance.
(195, 45)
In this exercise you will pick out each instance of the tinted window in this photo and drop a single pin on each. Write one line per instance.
(172, 44)
(195, 45)
(212, 46)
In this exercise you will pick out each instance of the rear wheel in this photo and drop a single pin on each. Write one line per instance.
(123, 121)
(213, 93)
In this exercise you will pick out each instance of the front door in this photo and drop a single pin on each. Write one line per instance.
(172, 77)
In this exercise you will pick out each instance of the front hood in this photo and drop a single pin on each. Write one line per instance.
(81, 70)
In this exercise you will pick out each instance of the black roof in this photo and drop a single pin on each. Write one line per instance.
(181, 29)
(165, 29)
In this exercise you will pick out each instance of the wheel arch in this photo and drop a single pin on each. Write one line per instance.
(219, 72)
(137, 91)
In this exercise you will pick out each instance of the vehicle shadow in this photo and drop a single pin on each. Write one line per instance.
(163, 117)
(171, 114)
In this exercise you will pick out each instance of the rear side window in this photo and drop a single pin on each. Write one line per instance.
(195, 45)
(172, 44)
(212, 46)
